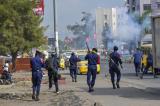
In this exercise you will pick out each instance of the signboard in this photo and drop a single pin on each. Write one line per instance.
(156, 40)
(39, 10)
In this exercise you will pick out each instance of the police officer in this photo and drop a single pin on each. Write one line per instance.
(114, 62)
(92, 58)
(137, 60)
(52, 67)
(73, 66)
(36, 65)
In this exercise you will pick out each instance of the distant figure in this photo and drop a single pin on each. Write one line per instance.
(6, 66)
(73, 66)
(114, 62)
(93, 59)
(144, 61)
(137, 60)
(52, 67)
(149, 63)
(36, 65)
(6, 74)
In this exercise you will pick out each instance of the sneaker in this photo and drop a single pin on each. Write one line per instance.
(57, 92)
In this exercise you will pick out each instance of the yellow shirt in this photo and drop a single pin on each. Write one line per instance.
(144, 60)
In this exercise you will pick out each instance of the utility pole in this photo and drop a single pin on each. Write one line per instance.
(54, 16)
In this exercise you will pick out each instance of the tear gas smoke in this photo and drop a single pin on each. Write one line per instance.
(127, 28)
(83, 30)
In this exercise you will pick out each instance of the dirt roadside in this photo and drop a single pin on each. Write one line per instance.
(19, 94)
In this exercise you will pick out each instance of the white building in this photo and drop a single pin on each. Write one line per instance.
(105, 16)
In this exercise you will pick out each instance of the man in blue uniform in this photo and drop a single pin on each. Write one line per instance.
(92, 58)
(114, 62)
(137, 60)
(73, 66)
(36, 65)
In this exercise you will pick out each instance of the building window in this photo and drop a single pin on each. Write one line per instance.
(147, 6)
(158, 4)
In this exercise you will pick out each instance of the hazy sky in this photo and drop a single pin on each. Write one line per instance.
(69, 12)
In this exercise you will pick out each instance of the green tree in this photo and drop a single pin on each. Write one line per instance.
(20, 28)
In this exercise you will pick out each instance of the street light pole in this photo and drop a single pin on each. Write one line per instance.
(54, 16)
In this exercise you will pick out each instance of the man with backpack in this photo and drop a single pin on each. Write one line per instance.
(114, 62)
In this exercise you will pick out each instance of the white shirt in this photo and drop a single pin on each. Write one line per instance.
(6, 67)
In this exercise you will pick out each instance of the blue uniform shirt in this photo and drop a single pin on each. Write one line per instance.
(73, 62)
(116, 60)
(92, 59)
(36, 64)
(137, 57)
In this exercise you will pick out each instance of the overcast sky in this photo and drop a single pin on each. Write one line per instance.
(69, 12)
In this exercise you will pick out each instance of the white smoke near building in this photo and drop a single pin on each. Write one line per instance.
(127, 28)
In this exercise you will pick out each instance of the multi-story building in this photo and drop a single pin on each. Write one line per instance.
(155, 4)
(138, 6)
(105, 17)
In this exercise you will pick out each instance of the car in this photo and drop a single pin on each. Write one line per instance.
(83, 65)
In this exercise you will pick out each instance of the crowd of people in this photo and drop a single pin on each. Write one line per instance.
(52, 63)
(142, 62)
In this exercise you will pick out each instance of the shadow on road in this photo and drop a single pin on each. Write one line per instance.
(127, 92)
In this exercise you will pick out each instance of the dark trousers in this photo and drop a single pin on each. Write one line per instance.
(36, 81)
(148, 66)
(114, 71)
(55, 79)
(73, 73)
(137, 67)
(91, 77)
(6, 75)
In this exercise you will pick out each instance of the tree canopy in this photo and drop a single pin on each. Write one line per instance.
(20, 28)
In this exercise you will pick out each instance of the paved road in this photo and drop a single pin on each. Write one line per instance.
(133, 91)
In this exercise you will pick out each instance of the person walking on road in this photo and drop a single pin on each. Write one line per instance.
(114, 62)
(92, 58)
(149, 63)
(36, 65)
(52, 67)
(137, 60)
(73, 66)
